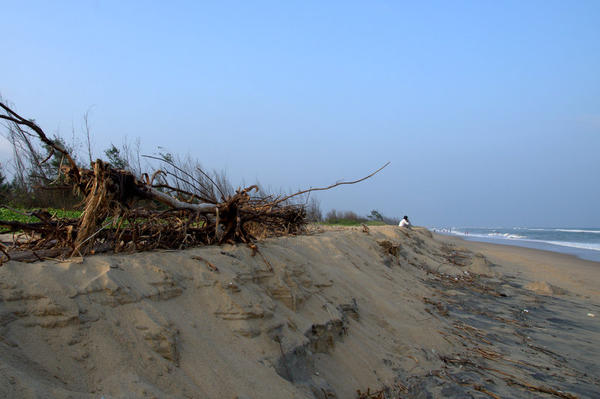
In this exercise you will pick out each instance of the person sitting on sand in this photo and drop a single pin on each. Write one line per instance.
(405, 222)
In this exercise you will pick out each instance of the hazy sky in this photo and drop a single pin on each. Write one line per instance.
(489, 111)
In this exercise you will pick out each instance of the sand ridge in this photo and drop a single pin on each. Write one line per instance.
(321, 315)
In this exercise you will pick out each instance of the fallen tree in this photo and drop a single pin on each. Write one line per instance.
(122, 212)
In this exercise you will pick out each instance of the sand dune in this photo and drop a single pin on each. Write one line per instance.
(320, 315)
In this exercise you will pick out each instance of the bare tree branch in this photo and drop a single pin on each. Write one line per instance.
(332, 186)
(19, 120)
(86, 126)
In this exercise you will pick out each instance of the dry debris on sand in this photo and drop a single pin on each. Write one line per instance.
(337, 313)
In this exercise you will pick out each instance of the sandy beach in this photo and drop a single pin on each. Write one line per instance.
(580, 277)
(320, 315)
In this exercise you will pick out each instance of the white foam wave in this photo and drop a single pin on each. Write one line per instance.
(562, 230)
(580, 245)
(507, 236)
(578, 231)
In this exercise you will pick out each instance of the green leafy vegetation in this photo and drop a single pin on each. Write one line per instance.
(353, 222)
(115, 158)
(20, 216)
(349, 218)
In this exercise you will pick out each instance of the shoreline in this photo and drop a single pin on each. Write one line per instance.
(564, 270)
(581, 253)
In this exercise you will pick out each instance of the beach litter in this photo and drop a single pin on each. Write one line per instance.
(386, 392)
(485, 346)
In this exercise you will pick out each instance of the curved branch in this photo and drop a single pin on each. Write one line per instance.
(19, 120)
(166, 199)
(330, 187)
(180, 191)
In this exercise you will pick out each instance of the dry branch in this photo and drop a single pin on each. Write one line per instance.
(12, 116)
(333, 185)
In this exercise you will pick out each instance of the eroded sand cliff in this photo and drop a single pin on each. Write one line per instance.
(320, 315)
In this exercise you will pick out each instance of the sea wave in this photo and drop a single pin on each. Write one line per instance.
(580, 245)
(561, 230)
(507, 236)
(578, 231)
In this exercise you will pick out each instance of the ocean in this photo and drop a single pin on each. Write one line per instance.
(582, 242)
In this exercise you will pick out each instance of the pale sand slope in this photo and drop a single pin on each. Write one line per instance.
(340, 310)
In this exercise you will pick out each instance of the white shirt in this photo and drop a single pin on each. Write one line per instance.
(404, 223)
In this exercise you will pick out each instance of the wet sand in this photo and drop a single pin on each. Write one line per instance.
(578, 276)
(544, 324)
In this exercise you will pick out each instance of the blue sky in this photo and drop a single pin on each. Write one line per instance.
(489, 111)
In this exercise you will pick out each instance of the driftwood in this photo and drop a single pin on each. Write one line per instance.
(125, 213)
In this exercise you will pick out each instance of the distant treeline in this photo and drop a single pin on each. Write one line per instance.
(32, 178)
(348, 218)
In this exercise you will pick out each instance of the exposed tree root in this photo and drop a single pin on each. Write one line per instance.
(125, 213)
